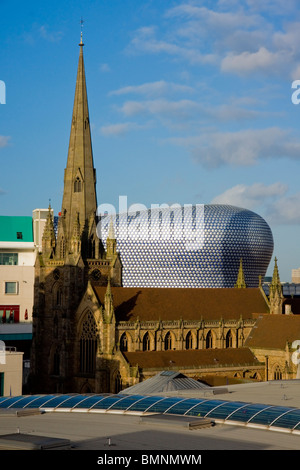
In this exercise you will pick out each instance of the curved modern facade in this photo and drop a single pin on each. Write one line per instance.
(190, 246)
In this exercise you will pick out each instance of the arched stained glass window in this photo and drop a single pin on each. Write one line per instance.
(189, 341)
(146, 342)
(88, 345)
(168, 341)
(229, 339)
(77, 185)
(124, 342)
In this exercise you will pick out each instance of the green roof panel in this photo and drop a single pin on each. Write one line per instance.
(16, 229)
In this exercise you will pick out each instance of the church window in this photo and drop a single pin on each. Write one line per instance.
(77, 185)
(277, 373)
(92, 246)
(124, 343)
(59, 297)
(189, 341)
(146, 342)
(168, 341)
(118, 383)
(209, 340)
(88, 345)
(229, 339)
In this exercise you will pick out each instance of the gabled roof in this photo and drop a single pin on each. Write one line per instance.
(165, 381)
(191, 358)
(156, 304)
(273, 331)
(11, 226)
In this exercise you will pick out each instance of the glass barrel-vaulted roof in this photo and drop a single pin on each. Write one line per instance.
(269, 416)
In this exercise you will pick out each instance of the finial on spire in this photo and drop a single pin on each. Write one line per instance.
(81, 27)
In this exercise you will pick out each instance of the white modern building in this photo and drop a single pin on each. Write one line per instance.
(296, 276)
(20, 241)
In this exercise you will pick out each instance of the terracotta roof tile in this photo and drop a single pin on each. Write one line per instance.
(273, 331)
(189, 304)
(191, 358)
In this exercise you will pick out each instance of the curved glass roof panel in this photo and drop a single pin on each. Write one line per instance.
(125, 402)
(163, 405)
(89, 402)
(72, 401)
(245, 413)
(107, 402)
(205, 407)
(2, 401)
(57, 400)
(289, 420)
(144, 404)
(10, 401)
(268, 415)
(224, 410)
(183, 406)
(25, 401)
(41, 401)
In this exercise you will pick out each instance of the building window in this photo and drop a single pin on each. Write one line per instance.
(118, 383)
(77, 185)
(59, 297)
(11, 287)
(146, 342)
(209, 340)
(189, 341)
(19, 235)
(168, 341)
(9, 313)
(277, 373)
(124, 343)
(9, 259)
(229, 340)
(88, 345)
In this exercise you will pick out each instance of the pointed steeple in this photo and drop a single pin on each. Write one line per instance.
(79, 198)
(240, 283)
(111, 242)
(275, 292)
(48, 240)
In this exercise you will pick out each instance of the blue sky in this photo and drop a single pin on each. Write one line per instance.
(190, 102)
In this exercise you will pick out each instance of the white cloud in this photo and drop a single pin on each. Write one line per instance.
(272, 201)
(145, 41)
(186, 110)
(51, 36)
(252, 196)
(121, 128)
(4, 141)
(262, 60)
(153, 88)
(104, 68)
(241, 148)
(285, 211)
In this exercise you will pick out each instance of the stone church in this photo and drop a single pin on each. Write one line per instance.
(91, 335)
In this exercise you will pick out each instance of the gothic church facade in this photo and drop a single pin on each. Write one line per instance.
(90, 334)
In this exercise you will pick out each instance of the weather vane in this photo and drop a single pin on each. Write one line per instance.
(81, 27)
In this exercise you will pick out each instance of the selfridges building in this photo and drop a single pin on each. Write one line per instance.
(190, 246)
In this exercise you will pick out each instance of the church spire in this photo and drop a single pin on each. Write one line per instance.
(79, 197)
(240, 283)
(275, 292)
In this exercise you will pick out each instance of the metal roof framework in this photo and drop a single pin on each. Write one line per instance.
(276, 418)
